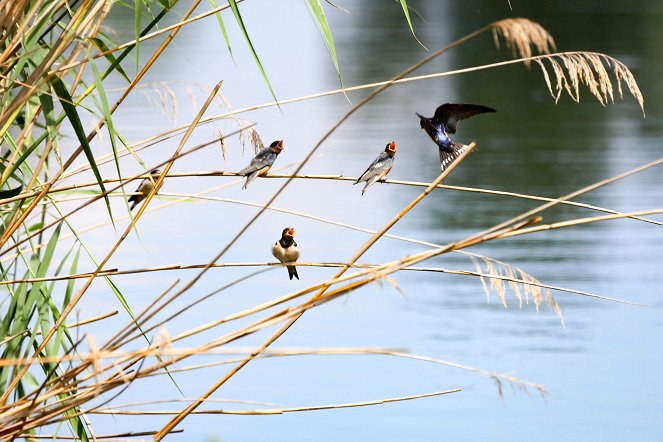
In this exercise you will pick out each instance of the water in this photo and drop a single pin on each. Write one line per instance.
(602, 368)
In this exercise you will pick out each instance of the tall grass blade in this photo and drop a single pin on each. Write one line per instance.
(48, 112)
(409, 22)
(105, 109)
(70, 110)
(114, 62)
(137, 12)
(12, 192)
(224, 31)
(240, 22)
(319, 14)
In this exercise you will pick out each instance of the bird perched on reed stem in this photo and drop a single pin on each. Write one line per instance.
(444, 122)
(261, 163)
(286, 250)
(144, 188)
(379, 168)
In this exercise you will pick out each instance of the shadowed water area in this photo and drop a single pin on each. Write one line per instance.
(602, 367)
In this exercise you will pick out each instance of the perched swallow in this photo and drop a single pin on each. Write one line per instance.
(444, 123)
(285, 250)
(144, 188)
(262, 162)
(379, 168)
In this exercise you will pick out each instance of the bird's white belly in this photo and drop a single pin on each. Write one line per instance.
(291, 254)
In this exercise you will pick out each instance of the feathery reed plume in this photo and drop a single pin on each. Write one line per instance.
(591, 69)
(520, 35)
(222, 143)
(251, 135)
(530, 287)
(162, 341)
(166, 99)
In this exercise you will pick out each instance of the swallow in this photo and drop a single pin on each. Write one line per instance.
(444, 122)
(261, 163)
(379, 168)
(144, 188)
(285, 250)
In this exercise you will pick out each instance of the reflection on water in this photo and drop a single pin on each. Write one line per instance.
(602, 367)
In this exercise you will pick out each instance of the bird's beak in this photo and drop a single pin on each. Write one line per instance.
(291, 232)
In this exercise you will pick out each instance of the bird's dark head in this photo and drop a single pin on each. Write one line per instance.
(155, 172)
(288, 232)
(277, 146)
(391, 148)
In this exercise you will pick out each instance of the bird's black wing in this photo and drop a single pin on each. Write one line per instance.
(376, 163)
(264, 158)
(450, 114)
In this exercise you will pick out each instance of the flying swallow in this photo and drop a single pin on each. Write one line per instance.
(379, 168)
(145, 188)
(444, 122)
(285, 250)
(262, 162)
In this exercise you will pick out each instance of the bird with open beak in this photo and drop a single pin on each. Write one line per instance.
(261, 163)
(444, 122)
(285, 250)
(144, 188)
(379, 168)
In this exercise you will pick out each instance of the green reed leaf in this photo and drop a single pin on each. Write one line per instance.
(319, 14)
(409, 22)
(75, 120)
(240, 22)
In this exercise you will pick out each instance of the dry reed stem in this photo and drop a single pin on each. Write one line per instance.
(283, 352)
(574, 194)
(262, 412)
(185, 399)
(579, 221)
(68, 326)
(105, 437)
(354, 351)
(332, 178)
(492, 273)
(280, 411)
(214, 173)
